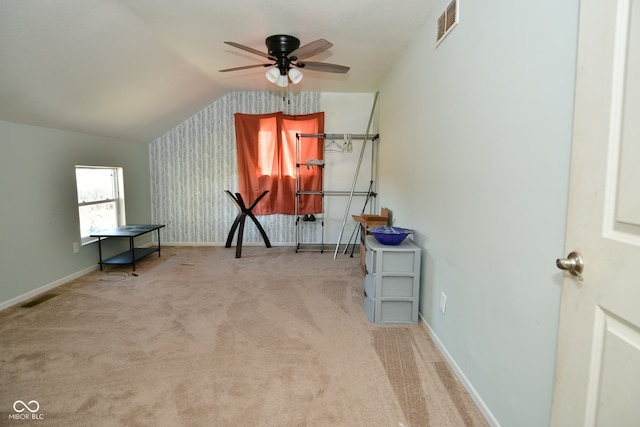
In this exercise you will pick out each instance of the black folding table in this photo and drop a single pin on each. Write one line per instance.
(129, 231)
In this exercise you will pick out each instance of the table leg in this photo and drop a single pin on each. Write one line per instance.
(100, 251)
(260, 229)
(238, 223)
(233, 230)
(158, 243)
(133, 253)
(240, 236)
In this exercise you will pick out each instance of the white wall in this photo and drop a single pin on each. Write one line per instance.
(474, 156)
(39, 208)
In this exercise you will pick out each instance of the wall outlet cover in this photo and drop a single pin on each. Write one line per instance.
(443, 302)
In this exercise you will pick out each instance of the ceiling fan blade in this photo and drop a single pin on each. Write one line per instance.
(250, 49)
(323, 66)
(246, 67)
(311, 49)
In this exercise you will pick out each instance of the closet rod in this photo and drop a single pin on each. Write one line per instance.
(337, 135)
(346, 193)
(338, 193)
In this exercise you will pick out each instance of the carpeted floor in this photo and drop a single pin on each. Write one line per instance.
(200, 338)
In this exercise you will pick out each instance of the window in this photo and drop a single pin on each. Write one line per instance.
(266, 152)
(100, 199)
(266, 149)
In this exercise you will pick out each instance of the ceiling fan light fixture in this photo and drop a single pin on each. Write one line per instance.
(295, 76)
(282, 81)
(273, 75)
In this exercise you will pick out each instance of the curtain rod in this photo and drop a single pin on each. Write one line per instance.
(337, 135)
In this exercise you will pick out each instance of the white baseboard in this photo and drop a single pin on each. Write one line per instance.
(190, 244)
(491, 420)
(35, 292)
(233, 245)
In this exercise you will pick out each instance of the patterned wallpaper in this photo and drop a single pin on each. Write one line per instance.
(194, 163)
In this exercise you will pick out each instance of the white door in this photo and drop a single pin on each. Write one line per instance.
(598, 364)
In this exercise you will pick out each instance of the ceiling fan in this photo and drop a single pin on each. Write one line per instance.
(285, 53)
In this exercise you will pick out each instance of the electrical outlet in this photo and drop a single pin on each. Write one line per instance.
(76, 247)
(443, 302)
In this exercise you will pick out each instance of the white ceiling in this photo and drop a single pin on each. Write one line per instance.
(134, 69)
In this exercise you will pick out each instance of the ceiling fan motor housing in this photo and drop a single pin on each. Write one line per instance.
(279, 47)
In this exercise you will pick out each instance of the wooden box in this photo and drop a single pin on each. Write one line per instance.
(366, 221)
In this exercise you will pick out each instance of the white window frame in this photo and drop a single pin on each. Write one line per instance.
(118, 183)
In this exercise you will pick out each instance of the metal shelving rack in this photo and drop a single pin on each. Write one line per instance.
(319, 218)
(299, 223)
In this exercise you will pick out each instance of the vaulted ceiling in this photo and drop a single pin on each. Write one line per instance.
(134, 69)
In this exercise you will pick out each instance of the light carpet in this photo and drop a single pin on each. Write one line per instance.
(201, 338)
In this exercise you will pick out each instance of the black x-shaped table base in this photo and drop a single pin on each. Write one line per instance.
(244, 212)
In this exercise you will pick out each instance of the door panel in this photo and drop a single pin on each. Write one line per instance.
(613, 388)
(598, 361)
(628, 209)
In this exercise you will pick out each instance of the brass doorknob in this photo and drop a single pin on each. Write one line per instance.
(573, 264)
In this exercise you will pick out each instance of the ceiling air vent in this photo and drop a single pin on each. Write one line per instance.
(447, 21)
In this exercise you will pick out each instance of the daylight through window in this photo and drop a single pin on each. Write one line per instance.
(100, 199)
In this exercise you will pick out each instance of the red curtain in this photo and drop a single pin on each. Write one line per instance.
(266, 146)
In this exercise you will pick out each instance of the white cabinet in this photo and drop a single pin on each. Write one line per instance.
(392, 282)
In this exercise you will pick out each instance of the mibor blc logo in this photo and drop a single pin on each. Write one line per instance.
(26, 411)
